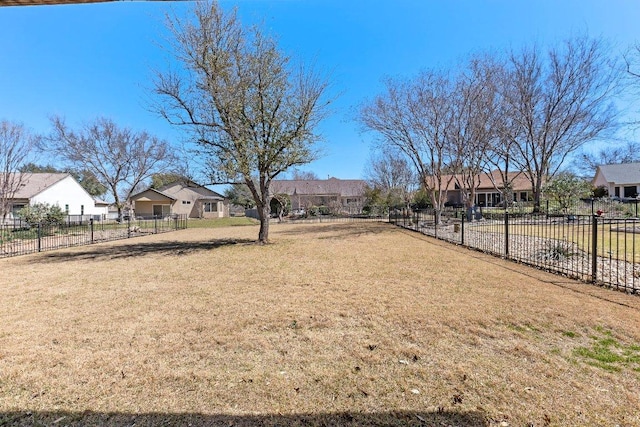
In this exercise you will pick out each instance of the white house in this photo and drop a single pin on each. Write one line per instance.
(55, 189)
(621, 180)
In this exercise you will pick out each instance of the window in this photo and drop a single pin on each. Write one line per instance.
(81, 209)
(161, 210)
(630, 191)
(15, 209)
(523, 196)
(66, 209)
(210, 206)
(186, 202)
(616, 191)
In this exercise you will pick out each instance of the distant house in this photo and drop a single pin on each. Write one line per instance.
(486, 194)
(188, 198)
(59, 189)
(621, 180)
(342, 195)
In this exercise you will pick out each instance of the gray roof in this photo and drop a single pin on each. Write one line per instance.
(319, 187)
(153, 190)
(32, 184)
(203, 192)
(623, 173)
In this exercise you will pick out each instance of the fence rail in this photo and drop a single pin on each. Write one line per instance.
(21, 238)
(591, 248)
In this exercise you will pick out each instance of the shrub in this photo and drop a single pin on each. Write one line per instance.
(42, 213)
(556, 250)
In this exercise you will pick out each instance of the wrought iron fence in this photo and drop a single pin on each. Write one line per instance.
(594, 248)
(21, 238)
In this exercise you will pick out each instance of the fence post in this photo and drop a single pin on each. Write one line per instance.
(39, 237)
(129, 226)
(594, 248)
(91, 225)
(506, 234)
(155, 223)
(547, 209)
(462, 230)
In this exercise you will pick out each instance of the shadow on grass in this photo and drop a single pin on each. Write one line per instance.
(338, 230)
(103, 252)
(405, 418)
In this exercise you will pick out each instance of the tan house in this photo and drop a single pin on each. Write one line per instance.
(339, 195)
(180, 198)
(486, 193)
(620, 180)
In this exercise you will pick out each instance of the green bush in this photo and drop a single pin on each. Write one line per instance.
(42, 213)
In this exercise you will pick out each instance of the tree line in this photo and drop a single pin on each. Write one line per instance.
(524, 110)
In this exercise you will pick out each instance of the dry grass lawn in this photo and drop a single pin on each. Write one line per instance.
(332, 324)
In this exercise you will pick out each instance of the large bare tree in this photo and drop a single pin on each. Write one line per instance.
(251, 112)
(15, 146)
(412, 116)
(120, 158)
(557, 102)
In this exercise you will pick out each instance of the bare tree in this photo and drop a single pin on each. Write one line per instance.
(15, 146)
(120, 158)
(412, 116)
(556, 104)
(252, 114)
(389, 172)
(301, 175)
(473, 123)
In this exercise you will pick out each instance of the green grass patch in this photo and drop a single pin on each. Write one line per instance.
(221, 222)
(607, 353)
(570, 334)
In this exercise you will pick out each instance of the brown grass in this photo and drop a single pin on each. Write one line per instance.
(343, 324)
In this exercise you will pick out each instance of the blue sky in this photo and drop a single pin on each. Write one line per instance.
(84, 61)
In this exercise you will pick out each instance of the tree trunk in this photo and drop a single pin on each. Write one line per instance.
(537, 191)
(264, 212)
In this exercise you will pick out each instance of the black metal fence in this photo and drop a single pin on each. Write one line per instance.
(21, 238)
(594, 248)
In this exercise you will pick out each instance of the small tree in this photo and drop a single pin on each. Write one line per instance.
(251, 113)
(239, 194)
(390, 172)
(15, 147)
(566, 189)
(42, 213)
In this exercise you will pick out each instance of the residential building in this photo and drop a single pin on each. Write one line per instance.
(620, 180)
(59, 189)
(188, 198)
(339, 195)
(486, 192)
